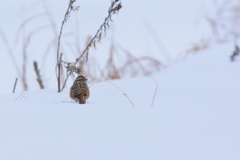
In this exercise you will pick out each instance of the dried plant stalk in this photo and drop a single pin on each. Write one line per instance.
(133, 65)
(65, 82)
(39, 79)
(67, 15)
(71, 67)
(59, 74)
(113, 9)
(25, 46)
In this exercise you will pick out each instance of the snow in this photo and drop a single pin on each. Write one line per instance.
(195, 116)
(196, 111)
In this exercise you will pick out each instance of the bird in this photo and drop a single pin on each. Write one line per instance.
(79, 90)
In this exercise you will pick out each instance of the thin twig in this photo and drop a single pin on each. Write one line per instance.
(65, 81)
(15, 84)
(59, 73)
(155, 90)
(115, 86)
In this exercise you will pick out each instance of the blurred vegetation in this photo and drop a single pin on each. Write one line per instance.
(120, 62)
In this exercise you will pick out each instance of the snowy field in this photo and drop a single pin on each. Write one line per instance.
(195, 116)
(196, 111)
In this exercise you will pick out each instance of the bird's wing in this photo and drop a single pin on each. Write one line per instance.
(80, 89)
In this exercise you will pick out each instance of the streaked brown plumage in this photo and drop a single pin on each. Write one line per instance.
(79, 90)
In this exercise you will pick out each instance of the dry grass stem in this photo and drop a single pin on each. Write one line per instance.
(224, 23)
(15, 84)
(201, 45)
(133, 65)
(25, 46)
(53, 24)
(24, 23)
(59, 73)
(10, 52)
(23, 74)
(39, 79)
(66, 16)
(113, 9)
(65, 81)
(116, 87)
(130, 66)
(155, 90)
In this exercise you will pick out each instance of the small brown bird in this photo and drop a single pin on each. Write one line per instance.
(79, 90)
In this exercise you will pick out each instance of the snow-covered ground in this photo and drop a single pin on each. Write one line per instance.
(196, 111)
(195, 116)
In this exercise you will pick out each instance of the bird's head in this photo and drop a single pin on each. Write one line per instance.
(81, 78)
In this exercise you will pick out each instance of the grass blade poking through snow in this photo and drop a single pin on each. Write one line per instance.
(117, 87)
(155, 91)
